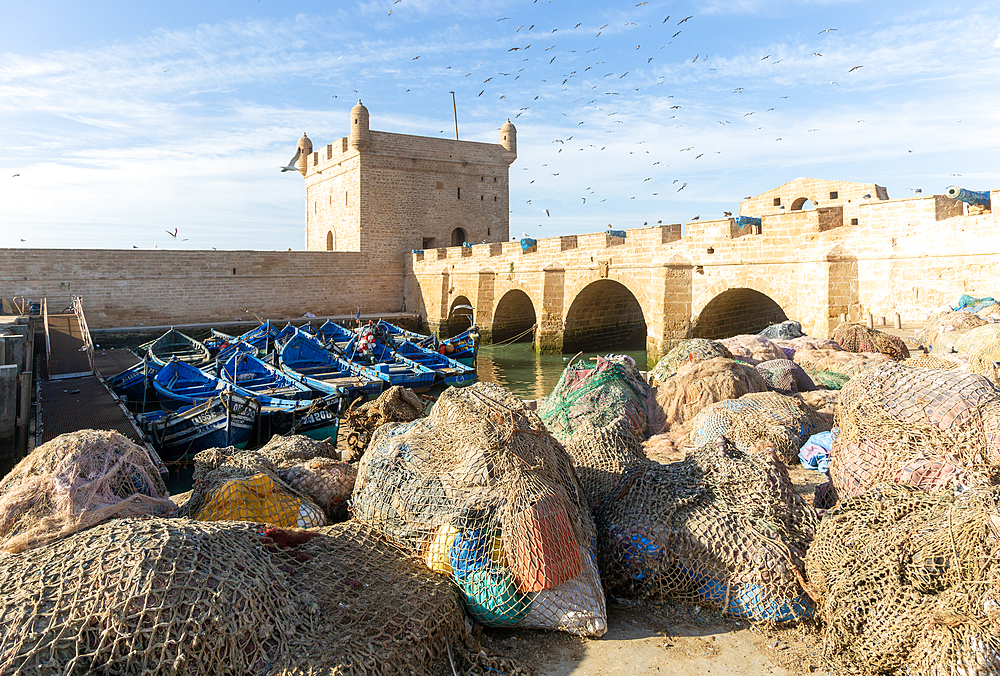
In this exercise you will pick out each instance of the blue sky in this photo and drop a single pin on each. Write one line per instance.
(125, 120)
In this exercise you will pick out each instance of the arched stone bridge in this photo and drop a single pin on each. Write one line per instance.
(595, 290)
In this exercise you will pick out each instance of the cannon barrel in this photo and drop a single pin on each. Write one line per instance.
(744, 221)
(980, 197)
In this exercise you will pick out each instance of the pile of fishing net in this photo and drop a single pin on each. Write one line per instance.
(910, 582)
(684, 353)
(929, 428)
(986, 362)
(73, 482)
(978, 339)
(753, 349)
(175, 596)
(721, 528)
(483, 492)
(790, 346)
(823, 401)
(785, 376)
(947, 326)
(597, 391)
(786, 330)
(290, 482)
(683, 395)
(833, 368)
(397, 404)
(937, 361)
(858, 338)
(783, 423)
(967, 303)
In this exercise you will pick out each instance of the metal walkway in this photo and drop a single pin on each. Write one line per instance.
(68, 347)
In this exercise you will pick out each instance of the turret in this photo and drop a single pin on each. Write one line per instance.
(508, 139)
(305, 150)
(359, 135)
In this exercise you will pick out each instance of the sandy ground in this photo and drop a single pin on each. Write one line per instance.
(681, 640)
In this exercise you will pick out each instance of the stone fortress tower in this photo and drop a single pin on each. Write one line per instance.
(386, 194)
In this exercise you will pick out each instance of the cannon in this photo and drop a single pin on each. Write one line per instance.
(980, 197)
(744, 221)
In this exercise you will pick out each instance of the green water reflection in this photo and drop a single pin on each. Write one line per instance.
(530, 375)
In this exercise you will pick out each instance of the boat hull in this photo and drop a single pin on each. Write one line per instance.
(226, 420)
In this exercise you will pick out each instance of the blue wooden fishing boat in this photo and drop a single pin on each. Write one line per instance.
(462, 348)
(225, 420)
(175, 345)
(216, 341)
(303, 358)
(179, 384)
(446, 370)
(377, 360)
(133, 385)
(247, 371)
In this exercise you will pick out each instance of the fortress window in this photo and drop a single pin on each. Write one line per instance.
(834, 194)
(482, 178)
(428, 243)
(458, 237)
(494, 179)
(459, 193)
(345, 198)
(482, 198)
(487, 231)
(854, 221)
(329, 240)
(494, 198)
(777, 201)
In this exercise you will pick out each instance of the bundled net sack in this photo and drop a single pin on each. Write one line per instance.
(923, 427)
(986, 362)
(234, 485)
(782, 423)
(683, 395)
(976, 340)
(785, 376)
(934, 361)
(807, 343)
(663, 448)
(753, 349)
(684, 353)
(175, 596)
(910, 582)
(990, 313)
(940, 326)
(486, 495)
(75, 481)
(311, 467)
(722, 528)
(397, 404)
(858, 338)
(786, 330)
(823, 401)
(840, 361)
(601, 454)
(597, 391)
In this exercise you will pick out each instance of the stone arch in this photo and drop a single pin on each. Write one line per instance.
(329, 240)
(802, 204)
(603, 314)
(737, 311)
(458, 237)
(459, 318)
(514, 315)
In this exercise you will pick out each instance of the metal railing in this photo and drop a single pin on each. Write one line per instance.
(84, 329)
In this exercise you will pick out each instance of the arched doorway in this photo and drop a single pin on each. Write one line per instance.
(458, 237)
(514, 316)
(329, 240)
(459, 317)
(603, 315)
(802, 204)
(737, 311)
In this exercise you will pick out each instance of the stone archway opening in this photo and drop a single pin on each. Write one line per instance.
(458, 237)
(514, 317)
(460, 317)
(802, 204)
(737, 311)
(603, 315)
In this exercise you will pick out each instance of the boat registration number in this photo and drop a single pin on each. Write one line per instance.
(317, 416)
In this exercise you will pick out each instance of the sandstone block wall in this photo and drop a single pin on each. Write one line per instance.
(127, 288)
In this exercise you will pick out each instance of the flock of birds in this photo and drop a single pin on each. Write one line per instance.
(533, 51)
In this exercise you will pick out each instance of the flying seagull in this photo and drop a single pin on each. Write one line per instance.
(173, 234)
(291, 163)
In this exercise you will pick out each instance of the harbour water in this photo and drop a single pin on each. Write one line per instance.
(530, 375)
